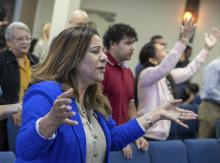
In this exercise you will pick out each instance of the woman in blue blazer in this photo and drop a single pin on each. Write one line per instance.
(66, 118)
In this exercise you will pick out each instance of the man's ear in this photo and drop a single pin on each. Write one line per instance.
(153, 61)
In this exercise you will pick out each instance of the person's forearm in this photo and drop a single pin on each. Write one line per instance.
(47, 127)
(183, 74)
(5, 110)
(148, 119)
(154, 74)
(3, 113)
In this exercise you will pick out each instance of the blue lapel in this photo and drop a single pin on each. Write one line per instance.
(79, 131)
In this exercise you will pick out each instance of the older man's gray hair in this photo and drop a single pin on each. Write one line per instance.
(9, 32)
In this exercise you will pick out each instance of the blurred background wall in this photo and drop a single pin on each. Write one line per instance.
(148, 17)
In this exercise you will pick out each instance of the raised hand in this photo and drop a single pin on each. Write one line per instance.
(61, 110)
(60, 113)
(212, 38)
(187, 30)
(169, 111)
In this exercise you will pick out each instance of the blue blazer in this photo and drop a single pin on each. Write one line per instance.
(69, 145)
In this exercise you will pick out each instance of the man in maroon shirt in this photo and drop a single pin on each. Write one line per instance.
(118, 83)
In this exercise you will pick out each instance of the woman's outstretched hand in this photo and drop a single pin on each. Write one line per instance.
(212, 38)
(187, 30)
(170, 111)
(61, 111)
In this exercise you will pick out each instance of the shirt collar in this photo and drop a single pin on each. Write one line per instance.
(113, 62)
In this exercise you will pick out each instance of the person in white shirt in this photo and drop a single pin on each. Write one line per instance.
(152, 86)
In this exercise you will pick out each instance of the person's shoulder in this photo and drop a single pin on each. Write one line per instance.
(214, 64)
(48, 87)
(128, 70)
(49, 84)
(216, 61)
(109, 68)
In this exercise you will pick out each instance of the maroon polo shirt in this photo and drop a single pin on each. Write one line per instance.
(118, 86)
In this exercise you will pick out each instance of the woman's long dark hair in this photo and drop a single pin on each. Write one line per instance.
(148, 51)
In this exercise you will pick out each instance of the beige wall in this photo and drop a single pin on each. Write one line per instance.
(43, 14)
(28, 12)
(151, 17)
(54, 11)
(148, 17)
(209, 16)
(61, 12)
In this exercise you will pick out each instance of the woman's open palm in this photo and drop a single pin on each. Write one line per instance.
(212, 38)
(171, 112)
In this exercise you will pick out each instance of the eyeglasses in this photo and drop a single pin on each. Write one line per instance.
(20, 39)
